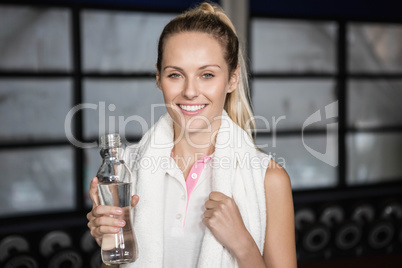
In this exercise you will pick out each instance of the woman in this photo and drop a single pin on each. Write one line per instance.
(221, 202)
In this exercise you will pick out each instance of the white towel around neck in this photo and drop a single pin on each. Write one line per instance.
(238, 172)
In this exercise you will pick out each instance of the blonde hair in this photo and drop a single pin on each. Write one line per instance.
(211, 19)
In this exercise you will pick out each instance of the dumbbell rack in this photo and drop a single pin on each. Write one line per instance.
(353, 232)
(57, 240)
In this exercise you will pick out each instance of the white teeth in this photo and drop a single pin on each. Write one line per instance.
(191, 108)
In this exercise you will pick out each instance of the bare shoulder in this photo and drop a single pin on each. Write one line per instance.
(279, 247)
(276, 178)
(278, 189)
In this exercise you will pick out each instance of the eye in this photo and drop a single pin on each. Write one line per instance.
(174, 75)
(208, 75)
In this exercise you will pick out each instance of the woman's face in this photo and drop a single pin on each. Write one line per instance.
(194, 79)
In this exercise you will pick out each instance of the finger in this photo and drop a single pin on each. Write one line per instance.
(99, 241)
(134, 200)
(101, 210)
(105, 225)
(210, 204)
(208, 213)
(208, 222)
(103, 230)
(93, 192)
(98, 232)
(90, 216)
(217, 196)
(106, 222)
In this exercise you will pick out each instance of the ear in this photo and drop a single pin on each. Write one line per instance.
(158, 77)
(234, 80)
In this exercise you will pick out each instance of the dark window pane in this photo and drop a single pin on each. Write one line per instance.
(36, 180)
(92, 162)
(375, 103)
(292, 46)
(138, 103)
(287, 104)
(121, 41)
(374, 157)
(35, 39)
(33, 109)
(310, 162)
(375, 47)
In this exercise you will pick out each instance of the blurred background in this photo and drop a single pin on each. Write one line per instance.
(326, 89)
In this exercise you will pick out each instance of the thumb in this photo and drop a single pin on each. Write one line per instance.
(93, 192)
(134, 200)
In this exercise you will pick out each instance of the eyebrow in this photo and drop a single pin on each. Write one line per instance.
(173, 67)
(210, 65)
(201, 68)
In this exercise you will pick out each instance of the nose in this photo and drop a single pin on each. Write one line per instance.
(190, 90)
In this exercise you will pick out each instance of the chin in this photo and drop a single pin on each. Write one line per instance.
(198, 128)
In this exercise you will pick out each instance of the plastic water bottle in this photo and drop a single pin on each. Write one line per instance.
(114, 189)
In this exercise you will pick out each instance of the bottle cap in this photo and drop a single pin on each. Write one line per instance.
(110, 141)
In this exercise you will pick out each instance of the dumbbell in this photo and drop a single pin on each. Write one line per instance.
(14, 252)
(392, 212)
(56, 247)
(337, 234)
(348, 236)
(91, 248)
(313, 236)
(347, 233)
(379, 231)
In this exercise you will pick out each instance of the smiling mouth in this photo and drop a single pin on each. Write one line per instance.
(191, 108)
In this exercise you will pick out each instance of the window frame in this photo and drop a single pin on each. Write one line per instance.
(341, 76)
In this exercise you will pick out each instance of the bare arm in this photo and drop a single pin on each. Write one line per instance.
(279, 247)
(223, 218)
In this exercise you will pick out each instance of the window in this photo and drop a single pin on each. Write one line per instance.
(293, 63)
(54, 59)
(327, 95)
(374, 140)
(37, 162)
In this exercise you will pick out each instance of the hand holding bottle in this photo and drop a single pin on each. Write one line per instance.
(99, 218)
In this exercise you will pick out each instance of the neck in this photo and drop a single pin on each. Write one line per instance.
(192, 146)
(185, 154)
(189, 144)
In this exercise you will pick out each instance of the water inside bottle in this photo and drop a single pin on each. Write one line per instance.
(121, 247)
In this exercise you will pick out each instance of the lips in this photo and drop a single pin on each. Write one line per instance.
(191, 108)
